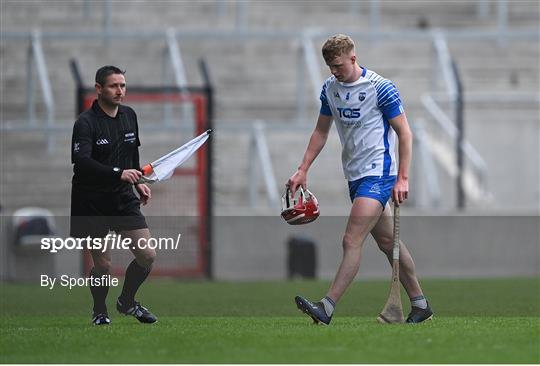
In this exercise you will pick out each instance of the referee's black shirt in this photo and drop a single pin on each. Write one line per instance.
(102, 147)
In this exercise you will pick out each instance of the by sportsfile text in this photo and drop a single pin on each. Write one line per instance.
(70, 282)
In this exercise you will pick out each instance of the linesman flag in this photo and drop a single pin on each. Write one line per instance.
(163, 168)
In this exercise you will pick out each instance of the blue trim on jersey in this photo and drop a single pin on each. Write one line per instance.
(392, 111)
(388, 98)
(364, 71)
(387, 162)
(325, 108)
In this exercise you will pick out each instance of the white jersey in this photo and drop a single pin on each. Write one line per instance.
(361, 111)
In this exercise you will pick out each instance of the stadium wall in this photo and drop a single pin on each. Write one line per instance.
(255, 248)
(442, 246)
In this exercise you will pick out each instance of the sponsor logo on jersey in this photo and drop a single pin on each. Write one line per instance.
(102, 142)
(336, 95)
(348, 96)
(349, 112)
(129, 137)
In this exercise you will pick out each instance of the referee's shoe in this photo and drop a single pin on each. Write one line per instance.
(139, 312)
(101, 319)
(315, 310)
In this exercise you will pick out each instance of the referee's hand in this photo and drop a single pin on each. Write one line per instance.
(131, 176)
(144, 193)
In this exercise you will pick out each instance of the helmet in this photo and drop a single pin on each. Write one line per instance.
(302, 212)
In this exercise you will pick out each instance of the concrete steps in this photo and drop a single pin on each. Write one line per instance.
(256, 79)
(261, 14)
(267, 91)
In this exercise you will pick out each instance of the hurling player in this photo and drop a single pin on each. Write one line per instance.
(368, 114)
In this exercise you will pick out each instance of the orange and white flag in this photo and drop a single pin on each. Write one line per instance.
(163, 168)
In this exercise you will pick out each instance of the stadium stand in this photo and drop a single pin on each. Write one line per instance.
(256, 78)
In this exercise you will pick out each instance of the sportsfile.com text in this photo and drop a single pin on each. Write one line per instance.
(111, 241)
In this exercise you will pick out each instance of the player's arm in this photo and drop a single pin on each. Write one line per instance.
(400, 124)
(316, 143)
(86, 166)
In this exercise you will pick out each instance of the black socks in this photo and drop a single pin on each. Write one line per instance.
(99, 293)
(135, 276)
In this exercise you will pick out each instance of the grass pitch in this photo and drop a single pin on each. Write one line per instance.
(476, 321)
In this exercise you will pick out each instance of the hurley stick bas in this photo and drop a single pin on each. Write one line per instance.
(393, 309)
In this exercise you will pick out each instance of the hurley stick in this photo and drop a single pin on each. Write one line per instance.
(393, 310)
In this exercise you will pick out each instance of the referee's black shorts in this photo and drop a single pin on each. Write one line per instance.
(94, 214)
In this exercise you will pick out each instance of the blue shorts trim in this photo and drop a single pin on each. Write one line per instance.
(379, 188)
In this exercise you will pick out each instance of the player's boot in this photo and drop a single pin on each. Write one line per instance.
(139, 312)
(418, 315)
(101, 319)
(314, 310)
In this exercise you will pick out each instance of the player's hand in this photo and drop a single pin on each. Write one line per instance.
(131, 176)
(296, 180)
(144, 192)
(400, 192)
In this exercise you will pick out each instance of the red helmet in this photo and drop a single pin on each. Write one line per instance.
(302, 212)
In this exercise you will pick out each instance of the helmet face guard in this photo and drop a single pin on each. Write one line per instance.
(301, 211)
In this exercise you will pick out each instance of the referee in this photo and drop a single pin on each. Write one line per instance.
(105, 154)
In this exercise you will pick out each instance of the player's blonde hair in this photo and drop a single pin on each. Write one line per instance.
(336, 46)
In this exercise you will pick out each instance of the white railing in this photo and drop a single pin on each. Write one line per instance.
(259, 157)
(475, 180)
(179, 75)
(450, 130)
(429, 192)
(36, 58)
(442, 66)
(307, 63)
